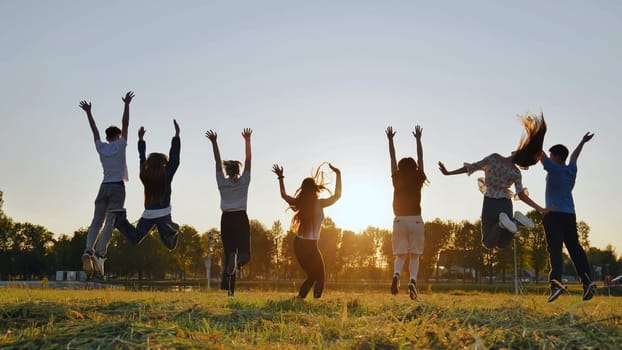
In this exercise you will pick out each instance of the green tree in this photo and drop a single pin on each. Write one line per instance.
(188, 254)
(330, 238)
(263, 251)
(437, 236)
(535, 242)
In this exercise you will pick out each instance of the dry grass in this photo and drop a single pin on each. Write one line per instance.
(76, 319)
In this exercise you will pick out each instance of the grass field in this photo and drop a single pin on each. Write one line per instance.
(76, 319)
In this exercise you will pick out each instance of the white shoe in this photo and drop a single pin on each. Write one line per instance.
(507, 223)
(523, 220)
(98, 264)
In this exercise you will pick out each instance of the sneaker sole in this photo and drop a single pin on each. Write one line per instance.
(523, 220)
(589, 293)
(507, 223)
(555, 295)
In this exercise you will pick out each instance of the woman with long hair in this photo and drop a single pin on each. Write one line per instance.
(499, 225)
(307, 221)
(234, 226)
(408, 237)
(156, 173)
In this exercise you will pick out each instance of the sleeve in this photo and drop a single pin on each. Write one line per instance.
(142, 148)
(481, 165)
(547, 163)
(572, 168)
(518, 184)
(173, 156)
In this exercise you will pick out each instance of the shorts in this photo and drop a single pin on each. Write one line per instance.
(408, 235)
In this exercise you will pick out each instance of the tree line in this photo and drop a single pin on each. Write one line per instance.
(452, 250)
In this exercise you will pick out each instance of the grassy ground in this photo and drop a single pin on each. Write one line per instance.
(75, 319)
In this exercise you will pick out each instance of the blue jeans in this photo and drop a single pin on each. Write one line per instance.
(167, 229)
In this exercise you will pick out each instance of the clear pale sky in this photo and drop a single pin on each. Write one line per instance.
(317, 81)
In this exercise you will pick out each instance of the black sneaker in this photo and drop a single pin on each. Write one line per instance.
(556, 290)
(588, 291)
(232, 265)
(412, 289)
(395, 283)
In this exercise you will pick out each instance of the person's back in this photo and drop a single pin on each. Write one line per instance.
(560, 181)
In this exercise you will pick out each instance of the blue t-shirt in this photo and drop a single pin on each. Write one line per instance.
(560, 181)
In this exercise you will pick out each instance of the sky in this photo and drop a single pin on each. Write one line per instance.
(316, 81)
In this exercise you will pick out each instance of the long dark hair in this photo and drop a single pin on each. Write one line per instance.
(530, 145)
(154, 178)
(407, 168)
(306, 196)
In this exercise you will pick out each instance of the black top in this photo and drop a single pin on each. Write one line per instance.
(407, 193)
(171, 168)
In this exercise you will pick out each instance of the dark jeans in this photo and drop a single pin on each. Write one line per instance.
(311, 261)
(167, 229)
(492, 234)
(561, 228)
(235, 233)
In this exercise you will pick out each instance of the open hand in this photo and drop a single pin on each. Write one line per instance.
(335, 169)
(390, 133)
(211, 135)
(278, 170)
(417, 132)
(141, 132)
(246, 133)
(86, 106)
(128, 97)
(588, 136)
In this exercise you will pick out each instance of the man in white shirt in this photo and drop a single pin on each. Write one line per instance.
(111, 193)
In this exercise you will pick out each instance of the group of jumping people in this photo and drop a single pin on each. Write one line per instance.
(499, 222)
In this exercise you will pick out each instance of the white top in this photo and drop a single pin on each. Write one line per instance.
(156, 213)
(112, 157)
(313, 231)
(498, 177)
(233, 192)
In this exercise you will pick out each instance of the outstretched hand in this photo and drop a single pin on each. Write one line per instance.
(128, 97)
(211, 135)
(588, 136)
(176, 127)
(333, 168)
(278, 170)
(246, 133)
(86, 106)
(390, 133)
(417, 132)
(141, 132)
(442, 168)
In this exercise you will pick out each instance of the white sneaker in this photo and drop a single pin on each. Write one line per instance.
(98, 264)
(507, 223)
(523, 220)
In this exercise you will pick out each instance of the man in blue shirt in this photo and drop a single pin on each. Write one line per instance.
(560, 225)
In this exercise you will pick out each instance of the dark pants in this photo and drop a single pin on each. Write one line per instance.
(235, 233)
(310, 259)
(561, 228)
(167, 229)
(492, 234)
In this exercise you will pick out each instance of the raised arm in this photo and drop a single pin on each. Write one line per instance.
(142, 146)
(212, 136)
(278, 170)
(125, 121)
(332, 199)
(246, 133)
(417, 134)
(575, 154)
(444, 170)
(390, 133)
(86, 106)
(173, 153)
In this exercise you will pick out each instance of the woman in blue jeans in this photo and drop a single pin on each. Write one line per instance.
(307, 222)
(156, 174)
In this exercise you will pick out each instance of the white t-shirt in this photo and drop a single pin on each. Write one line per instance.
(112, 157)
(233, 192)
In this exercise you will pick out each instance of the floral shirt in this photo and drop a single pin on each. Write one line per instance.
(498, 177)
